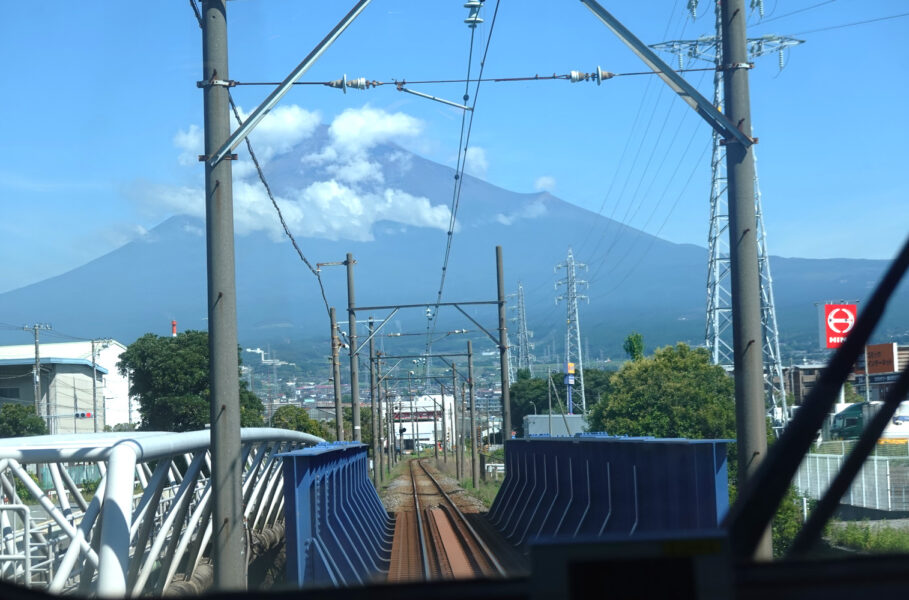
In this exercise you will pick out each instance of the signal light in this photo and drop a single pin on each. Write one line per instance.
(84, 415)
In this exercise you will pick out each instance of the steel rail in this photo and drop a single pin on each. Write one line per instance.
(424, 558)
(476, 537)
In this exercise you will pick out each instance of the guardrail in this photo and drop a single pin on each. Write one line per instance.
(594, 485)
(338, 532)
(149, 519)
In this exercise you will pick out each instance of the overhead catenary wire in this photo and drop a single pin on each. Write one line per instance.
(274, 203)
(463, 145)
(794, 12)
(400, 82)
(854, 24)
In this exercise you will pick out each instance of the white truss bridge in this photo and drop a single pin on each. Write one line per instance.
(147, 525)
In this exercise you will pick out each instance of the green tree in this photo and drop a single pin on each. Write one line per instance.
(528, 395)
(20, 420)
(674, 393)
(297, 419)
(169, 377)
(634, 346)
(365, 424)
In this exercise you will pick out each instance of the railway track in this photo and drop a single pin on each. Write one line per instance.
(435, 541)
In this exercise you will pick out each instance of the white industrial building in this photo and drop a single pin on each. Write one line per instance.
(79, 392)
(421, 417)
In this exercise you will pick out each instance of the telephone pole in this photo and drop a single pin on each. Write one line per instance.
(37, 379)
(229, 549)
(336, 375)
(743, 251)
(354, 356)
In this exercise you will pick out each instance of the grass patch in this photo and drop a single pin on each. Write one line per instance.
(485, 491)
(866, 538)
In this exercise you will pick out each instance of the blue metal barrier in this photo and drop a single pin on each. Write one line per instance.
(338, 532)
(594, 485)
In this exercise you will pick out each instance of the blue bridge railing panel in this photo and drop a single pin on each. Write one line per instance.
(594, 485)
(338, 532)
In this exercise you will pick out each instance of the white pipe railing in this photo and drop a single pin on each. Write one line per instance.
(151, 507)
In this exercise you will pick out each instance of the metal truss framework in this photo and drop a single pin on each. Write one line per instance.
(525, 359)
(148, 522)
(573, 324)
(719, 295)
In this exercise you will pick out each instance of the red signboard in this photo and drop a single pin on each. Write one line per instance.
(839, 319)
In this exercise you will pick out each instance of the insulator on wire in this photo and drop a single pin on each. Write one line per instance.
(598, 76)
(693, 9)
(359, 83)
(780, 55)
(680, 62)
(473, 19)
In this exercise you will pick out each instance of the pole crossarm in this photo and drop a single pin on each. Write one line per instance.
(461, 375)
(375, 331)
(425, 304)
(449, 354)
(685, 90)
(259, 113)
(494, 339)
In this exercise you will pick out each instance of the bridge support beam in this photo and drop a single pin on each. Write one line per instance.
(116, 514)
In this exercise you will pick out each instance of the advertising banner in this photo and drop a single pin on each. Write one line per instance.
(881, 358)
(837, 321)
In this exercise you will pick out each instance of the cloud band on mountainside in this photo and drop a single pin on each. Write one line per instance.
(345, 202)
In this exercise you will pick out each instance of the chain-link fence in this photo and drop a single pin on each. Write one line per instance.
(882, 483)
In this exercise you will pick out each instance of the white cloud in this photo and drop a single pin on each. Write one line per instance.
(191, 144)
(357, 130)
(475, 162)
(544, 183)
(345, 205)
(531, 211)
(282, 128)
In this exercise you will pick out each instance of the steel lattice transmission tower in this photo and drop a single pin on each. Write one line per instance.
(524, 357)
(573, 324)
(719, 295)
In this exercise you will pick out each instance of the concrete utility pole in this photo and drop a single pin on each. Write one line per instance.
(454, 419)
(751, 425)
(462, 448)
(376, 457)
(444, 428)
(352, 340)
(389, 430)
(503, 347)
(474, 465)
(228, 548)
(37, 378)
(376, 409)
(413, 417)
(94, 389)
(336, 375)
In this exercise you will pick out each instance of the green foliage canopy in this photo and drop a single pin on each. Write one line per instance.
(674, 393)
(19, 420)
(634, 346)
(169, 377)
(297, 419)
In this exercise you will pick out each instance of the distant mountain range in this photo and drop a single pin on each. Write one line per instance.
(645, 284)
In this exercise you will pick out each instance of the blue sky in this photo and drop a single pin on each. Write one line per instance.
(101, 114)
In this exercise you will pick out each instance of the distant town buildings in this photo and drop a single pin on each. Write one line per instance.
(79, 392)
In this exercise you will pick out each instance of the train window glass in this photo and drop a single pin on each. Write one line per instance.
(850, 421)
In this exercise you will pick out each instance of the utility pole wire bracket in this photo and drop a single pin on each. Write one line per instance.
(676, 82)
